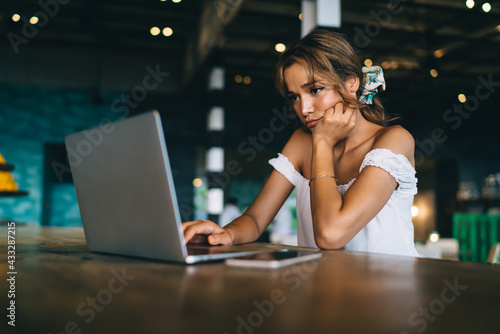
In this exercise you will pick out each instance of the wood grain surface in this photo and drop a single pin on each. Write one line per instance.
(61, 287)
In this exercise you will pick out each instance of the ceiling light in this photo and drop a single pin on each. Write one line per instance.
(394, 64)
(414, 211)
(486, 7)
(155, 31)
(368, 62)
(498, 27)
(300, 16)
(386, 65)
(197, 182)
(247, 80)
(34, 20)
(176, 1)
(434, 236)
(238, 78)
(470, 4)
(280, 47)
(167, 31)
(439, 53)
(434, 73)
(16, 17)
(462, 98)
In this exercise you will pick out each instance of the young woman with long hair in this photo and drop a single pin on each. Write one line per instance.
(354, 175)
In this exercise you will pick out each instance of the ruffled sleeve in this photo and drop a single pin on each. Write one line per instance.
(286, 168)
(397, 165)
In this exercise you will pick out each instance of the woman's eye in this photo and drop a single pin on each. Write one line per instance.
(316, 90)
(293, 98)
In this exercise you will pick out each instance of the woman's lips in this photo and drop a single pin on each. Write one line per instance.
(313, 122)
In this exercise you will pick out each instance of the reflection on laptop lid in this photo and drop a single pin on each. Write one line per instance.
(126, 193)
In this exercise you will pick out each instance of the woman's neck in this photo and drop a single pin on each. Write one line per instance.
(362, 131)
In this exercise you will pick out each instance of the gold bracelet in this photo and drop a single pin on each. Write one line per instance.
(325, 175)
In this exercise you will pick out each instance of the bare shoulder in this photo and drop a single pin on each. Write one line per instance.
(396, 139)
(297, 147)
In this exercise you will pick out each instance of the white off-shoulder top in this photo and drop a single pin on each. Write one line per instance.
(390, 231)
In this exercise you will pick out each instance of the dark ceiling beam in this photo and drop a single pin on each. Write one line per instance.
(430, 32)
(98, 46)
(448, 82)
(216, 15)
(125, 24)
(406, 27)
(458, 6)
(248, 19)
(432, 39)
(476, 57)
(150, 13)
(70, 34)
(153, 8)
(279, 8)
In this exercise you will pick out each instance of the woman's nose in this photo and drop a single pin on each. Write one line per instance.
(306, 106)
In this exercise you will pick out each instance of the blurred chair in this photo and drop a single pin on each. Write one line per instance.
(449, 248)
(429, 250)
(443, 248)
(476, 234)
(494, 255)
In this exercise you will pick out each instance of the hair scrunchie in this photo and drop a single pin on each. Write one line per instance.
(373, 78)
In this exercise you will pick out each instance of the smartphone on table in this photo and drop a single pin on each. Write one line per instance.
(275, 259)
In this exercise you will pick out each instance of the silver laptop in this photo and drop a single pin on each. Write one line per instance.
(126, 193)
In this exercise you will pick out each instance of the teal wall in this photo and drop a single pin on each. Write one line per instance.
(30, 117)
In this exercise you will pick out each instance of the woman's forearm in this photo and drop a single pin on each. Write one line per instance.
(243, 229)
(326, 201)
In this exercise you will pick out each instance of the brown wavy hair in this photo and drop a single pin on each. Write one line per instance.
(330, 54)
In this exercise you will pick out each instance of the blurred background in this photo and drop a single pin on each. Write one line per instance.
(207, 67)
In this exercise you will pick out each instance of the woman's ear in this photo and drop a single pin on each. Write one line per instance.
(352, 85)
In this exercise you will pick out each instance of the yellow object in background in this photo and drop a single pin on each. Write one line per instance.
(7, 182)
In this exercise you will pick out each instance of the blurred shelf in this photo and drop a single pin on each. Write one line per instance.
(6, 167)
(13, 193)
(18, 193)
(481, 200)
(483, 204)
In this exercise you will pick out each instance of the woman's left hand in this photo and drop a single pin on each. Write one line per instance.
(336, 124)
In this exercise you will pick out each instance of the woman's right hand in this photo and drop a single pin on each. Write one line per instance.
(336, 125)
(205, 231)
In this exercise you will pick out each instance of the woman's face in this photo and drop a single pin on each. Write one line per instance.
(309, 100)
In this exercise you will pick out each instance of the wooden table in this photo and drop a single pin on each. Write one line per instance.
(61, 287)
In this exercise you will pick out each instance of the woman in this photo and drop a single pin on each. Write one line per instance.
(355, 177)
